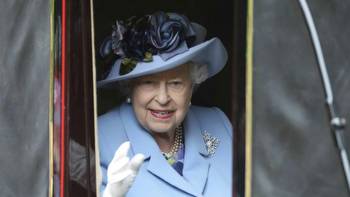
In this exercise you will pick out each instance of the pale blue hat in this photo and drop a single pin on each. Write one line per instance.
(211, 53)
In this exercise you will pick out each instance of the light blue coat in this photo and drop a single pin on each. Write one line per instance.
(203, 174)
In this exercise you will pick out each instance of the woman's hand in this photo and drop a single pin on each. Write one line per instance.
(122, 171)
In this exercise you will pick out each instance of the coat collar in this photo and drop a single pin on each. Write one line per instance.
(196, 167)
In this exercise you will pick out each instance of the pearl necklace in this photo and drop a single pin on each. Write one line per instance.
(177, 144)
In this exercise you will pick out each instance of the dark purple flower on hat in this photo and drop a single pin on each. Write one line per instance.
(130, 38)
(130, 42)
(166, 33)
(138, 39)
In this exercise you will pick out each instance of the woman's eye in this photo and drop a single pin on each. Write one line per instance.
(147, 84)
(176, 84)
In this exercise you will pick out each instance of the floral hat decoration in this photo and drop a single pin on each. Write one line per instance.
(153, 43)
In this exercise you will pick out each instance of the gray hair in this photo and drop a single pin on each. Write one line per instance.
(198, 74)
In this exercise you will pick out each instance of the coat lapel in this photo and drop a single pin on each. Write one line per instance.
(196, 168)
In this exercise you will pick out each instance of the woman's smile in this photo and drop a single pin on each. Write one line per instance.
(162, 114)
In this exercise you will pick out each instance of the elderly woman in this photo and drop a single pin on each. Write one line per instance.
(157, 143)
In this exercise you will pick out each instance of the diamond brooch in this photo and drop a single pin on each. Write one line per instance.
(211, 142)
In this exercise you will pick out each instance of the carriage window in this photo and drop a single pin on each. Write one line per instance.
(227, 86)
(168, 78)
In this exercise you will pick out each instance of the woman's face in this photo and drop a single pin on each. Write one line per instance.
(160, 101)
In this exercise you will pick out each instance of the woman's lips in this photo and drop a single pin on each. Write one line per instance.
(162, 114)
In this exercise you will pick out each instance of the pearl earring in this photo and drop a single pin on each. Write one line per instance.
(128, 100)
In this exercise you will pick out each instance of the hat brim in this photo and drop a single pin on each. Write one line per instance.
(211, 53)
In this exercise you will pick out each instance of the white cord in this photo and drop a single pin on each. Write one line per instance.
(318, 49)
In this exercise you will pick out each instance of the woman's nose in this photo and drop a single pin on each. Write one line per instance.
(163, 96)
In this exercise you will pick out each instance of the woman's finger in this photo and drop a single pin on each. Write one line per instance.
(118, 166)
(122, 151)
(136, 162)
